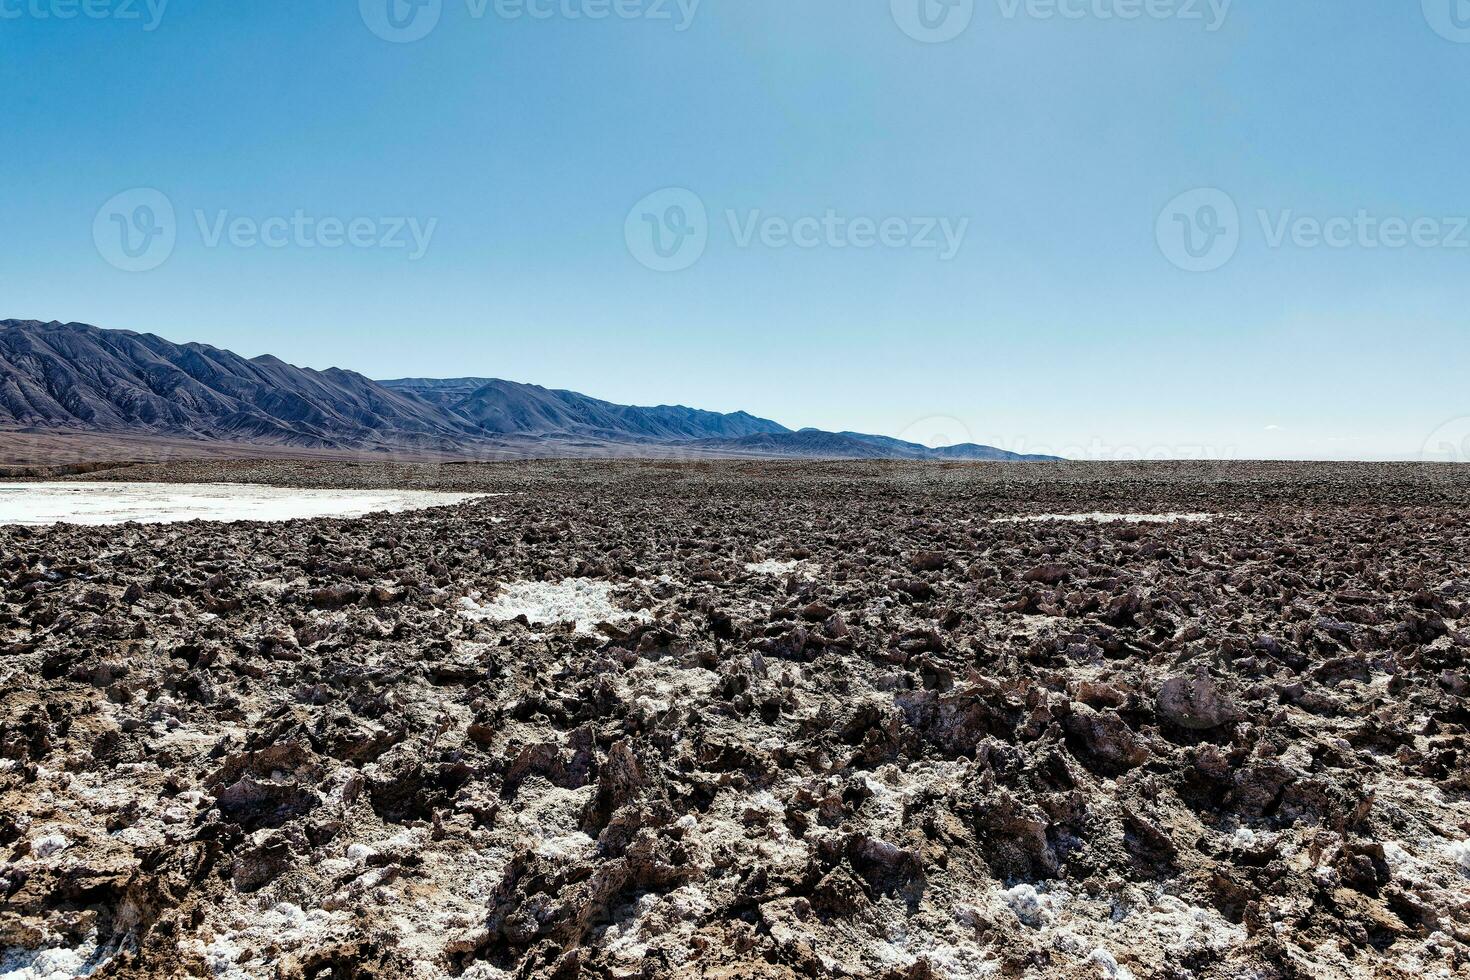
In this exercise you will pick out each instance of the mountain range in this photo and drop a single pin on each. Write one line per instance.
(79, 378)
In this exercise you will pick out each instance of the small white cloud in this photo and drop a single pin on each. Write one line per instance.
(1273, 427)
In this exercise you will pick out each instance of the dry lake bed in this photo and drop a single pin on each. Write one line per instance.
(736, 720)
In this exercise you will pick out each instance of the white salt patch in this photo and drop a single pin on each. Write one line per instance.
(583, 601)
(1101, 517)
(51, 844)
(1245, 837)
(97, 504)
(772, 567)
(283, 927)
(566, 847)
(1108, 964)
(1460, 854)
(1032, 907)
(60, 963)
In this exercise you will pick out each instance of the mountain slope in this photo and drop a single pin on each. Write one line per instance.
(509, 408)
(76, 376)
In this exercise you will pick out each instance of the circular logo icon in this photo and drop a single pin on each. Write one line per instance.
(1199, 231)
(933, 21)
(1450, 443)
(135, 230)
(938, 432)
(668, 230)
(401, 21)
(1449, 18)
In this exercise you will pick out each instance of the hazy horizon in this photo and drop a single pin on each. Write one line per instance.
(1206, 229)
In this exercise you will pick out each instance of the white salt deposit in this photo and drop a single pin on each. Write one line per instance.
(1460, 854)
(282, 927)
(60, 963)
(583, 601)
(1032, 907)
(771, 567)
(51, 844)
(1108, 964)
(95, 504)
(1101, 517)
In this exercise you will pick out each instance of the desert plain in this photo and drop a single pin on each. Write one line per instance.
(746, 720)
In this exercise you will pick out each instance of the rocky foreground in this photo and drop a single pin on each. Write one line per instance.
(789, 720)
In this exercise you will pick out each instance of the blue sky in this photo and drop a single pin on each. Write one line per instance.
(495, 176)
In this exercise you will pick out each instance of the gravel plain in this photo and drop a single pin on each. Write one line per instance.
(748, 720)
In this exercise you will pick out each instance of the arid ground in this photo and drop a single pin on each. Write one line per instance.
(748, 720)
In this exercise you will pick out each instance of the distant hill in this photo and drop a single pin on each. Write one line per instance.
(816, 444)
(75, 377)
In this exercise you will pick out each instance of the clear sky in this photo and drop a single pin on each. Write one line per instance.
(895, 216)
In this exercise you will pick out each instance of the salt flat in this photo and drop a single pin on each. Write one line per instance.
(94, 504)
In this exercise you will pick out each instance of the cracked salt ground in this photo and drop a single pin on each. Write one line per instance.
(582, 601)
(778, 775)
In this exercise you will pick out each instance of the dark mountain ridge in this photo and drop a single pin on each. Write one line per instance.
(78, 377)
